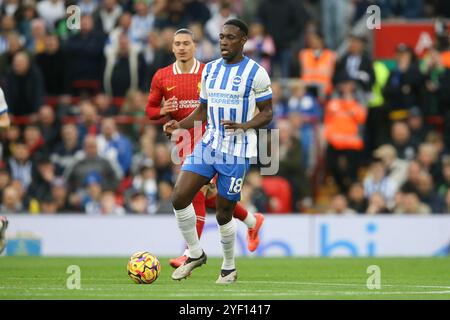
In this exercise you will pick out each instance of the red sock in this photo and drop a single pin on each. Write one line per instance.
(200, 212)
(239, 211)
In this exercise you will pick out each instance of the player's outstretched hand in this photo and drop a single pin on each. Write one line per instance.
(169, 105)
(170, 127)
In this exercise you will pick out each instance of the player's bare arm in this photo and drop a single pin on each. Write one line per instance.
(262, 119)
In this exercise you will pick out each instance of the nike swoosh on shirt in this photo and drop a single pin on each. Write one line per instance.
(171, 88)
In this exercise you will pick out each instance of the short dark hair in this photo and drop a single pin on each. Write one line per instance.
(238, 23)
(185, 31)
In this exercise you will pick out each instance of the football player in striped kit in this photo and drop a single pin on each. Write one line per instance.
(179, 86)
(233, 88)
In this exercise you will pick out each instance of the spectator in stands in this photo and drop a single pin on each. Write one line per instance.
(165, 189)
(305, 112)
(339, 205)
(356, 198)
(24, 15)
(48, 205)
(49, 126)
(91, 195)
(410, 203)
(8, 26)
(357, 64)
(397, 169)
(436, 77)
(377, 205)
(344, 117)
(284, 20)
(51, 11)
(122, 27)
(149, 51)
(89, 120)
(125, 69)
(24, 86)
(10, 138)
(146, 182)
(163, 54)
(11, 202)
(5, 179)
(402, 142)
(134, 106)
(104, 105)
(142, 21)
(444, 186)
(334, 17)
(19, 165)
(43, 177)
(14, 45)
(176, 16)
(427, 157)
(146, 148)
(292, 167)
(38, 36)
(88, 162)
(87, 6)
(279, 104)
(63, 155)
(416, 125)
(109, 206)
(428, 195)
(115, 147)
(107, 15)
(35, 142)
(59, 194)
(137, 203)
(214, 25)
(403, 87)
(414, 172)
(377, 181)
(198, 11)
(317, 65)
(53, 63)
(86, 55)
(377, 124)
(163, 162)
(260, 46)
(205, 49)
(258, 199)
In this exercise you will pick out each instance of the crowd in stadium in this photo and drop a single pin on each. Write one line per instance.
(79, 141)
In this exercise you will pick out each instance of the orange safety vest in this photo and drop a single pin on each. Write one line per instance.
(445, 59)
(342, 121)
(318, 71)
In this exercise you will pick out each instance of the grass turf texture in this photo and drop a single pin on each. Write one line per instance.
(258, 278)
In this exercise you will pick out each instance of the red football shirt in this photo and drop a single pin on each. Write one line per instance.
(170, 82)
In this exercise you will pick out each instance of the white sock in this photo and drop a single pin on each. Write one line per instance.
(227, 239)
(186, 220)
(250, 220)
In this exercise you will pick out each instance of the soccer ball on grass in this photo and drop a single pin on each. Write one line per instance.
(143, 267)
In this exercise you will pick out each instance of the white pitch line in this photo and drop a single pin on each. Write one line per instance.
(344, 284)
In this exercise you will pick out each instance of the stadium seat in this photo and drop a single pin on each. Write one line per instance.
(280, 193)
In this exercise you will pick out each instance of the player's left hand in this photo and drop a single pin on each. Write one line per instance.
(232, 126)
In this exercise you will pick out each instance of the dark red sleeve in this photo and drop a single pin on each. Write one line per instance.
(155, 97)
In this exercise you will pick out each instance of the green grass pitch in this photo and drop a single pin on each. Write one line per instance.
(258, 278)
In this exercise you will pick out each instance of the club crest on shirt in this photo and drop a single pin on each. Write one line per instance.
(237, 81)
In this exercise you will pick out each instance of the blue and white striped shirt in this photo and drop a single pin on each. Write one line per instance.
(231, 92)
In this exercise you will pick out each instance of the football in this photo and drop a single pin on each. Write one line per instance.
(143, 267)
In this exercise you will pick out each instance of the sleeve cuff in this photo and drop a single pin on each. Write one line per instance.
(264, 98)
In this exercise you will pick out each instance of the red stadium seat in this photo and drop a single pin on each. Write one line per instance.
(280, 193)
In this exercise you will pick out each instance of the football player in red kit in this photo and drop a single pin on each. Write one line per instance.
(174, 92)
